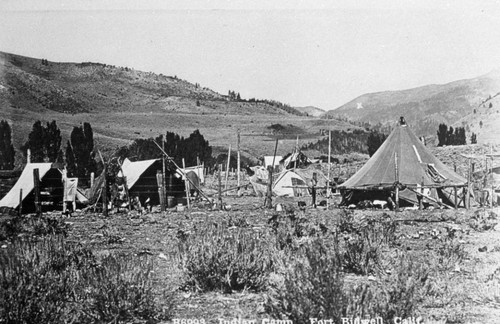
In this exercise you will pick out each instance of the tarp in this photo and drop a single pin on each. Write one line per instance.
(70, 189)
(24, 182)
(134, 170)
(198, 170)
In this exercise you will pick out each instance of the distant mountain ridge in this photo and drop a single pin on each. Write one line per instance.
(425, 107)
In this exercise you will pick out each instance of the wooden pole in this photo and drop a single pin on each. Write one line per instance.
(468, 182)
(238, 165)
(163, 191)
(456, 197)
(64, 179)
(186, 184)
(227, 167)
(269, 194)
(420, 199)
(36, 183)
(92, 177)
(313, 190)
(105, 192)
(20, 202)
(329, 167)
(219, 203)
(397, 181)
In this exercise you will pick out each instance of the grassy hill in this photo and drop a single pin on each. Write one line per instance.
(426, 107)
(311, 111)
(123, 104)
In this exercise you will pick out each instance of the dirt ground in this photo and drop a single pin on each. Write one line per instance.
(472, 288)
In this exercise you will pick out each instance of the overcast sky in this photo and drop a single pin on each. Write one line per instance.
(321, 53)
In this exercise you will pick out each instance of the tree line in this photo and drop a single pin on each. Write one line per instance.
(343, 142)
(44, 144)
(449, 136)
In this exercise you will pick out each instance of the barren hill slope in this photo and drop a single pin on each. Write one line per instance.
(123, 104)
(424, 107)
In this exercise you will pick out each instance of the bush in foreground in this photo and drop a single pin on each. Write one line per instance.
(219, 258)
(316, 286)
(51, 281)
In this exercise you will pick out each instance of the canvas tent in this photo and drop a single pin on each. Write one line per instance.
(402, 159)
(142, 180)
(51, 187)
(291, 184)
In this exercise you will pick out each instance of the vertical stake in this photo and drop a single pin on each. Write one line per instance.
(329, 167)
(36, 183)
(238, 166)
(227, 168)
(163, 191)
(269, 195)
(105, 192)
(468, 182)
(186, 183)
(219, 187)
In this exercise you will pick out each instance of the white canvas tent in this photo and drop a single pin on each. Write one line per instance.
(134, 170)
(291, 184)
(25, 182)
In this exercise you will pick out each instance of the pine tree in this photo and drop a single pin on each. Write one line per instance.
(7, 152)
(442, 134)
(36, 143)
(473, 138)
(52, 142)
(79, 153)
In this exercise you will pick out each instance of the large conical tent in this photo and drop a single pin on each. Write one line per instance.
(402, 159)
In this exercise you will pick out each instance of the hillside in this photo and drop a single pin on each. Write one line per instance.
(311, 111)
(122, 104)
(428, 106)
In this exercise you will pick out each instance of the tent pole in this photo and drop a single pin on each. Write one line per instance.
(105, 192)
(238, 165)
(329, 167)
(397, 180)
(227, 167)
(163, 190)
(219, 187)
(468, 182)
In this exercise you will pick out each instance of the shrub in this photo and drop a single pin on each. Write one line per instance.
(313, 287)
(396, 294)
(50, 281)
(362, 246)
(218, 258)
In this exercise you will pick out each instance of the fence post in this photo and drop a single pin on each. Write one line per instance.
(36, 183)
(20, 202)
